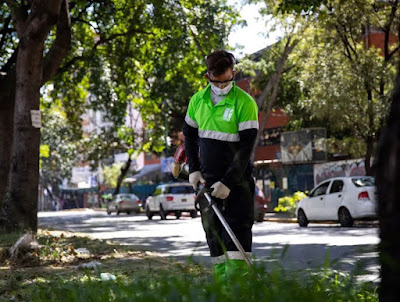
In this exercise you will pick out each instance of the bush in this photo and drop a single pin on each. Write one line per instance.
(288, 203)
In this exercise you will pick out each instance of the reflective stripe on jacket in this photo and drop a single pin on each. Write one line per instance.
(225, 134)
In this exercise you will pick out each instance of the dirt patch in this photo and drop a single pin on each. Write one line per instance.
(71, 256)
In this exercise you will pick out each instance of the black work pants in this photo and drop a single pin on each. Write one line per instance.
(238, 210)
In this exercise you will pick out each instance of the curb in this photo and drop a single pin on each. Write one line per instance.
(277, 219)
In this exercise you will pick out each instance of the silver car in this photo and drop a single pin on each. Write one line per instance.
(124, 203)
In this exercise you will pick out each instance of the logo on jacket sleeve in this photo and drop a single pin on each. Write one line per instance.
(227, 114)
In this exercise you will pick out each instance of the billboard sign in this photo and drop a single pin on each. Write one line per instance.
(303, 146)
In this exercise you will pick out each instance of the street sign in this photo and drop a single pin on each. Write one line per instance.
(36, 118)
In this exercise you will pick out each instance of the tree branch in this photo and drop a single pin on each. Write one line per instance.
(77, 20)
(387, 31)
(114, 36)
(390, 55)
(42, 17)
(60, 46)
(18, 15)
(346, 44)
(196, 41)
(90, 53)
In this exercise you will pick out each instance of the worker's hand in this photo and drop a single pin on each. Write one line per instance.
(195, 178)
(220, 190)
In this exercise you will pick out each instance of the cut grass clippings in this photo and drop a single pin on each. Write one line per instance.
(55, 273)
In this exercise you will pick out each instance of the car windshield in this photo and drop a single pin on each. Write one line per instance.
(363, 181)
(128, 196)
(181, 190)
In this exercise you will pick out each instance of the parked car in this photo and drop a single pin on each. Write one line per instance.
(260, 205)
(171, 198)
(342, 199)
(124, 203)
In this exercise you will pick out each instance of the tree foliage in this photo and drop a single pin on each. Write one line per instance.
(148, 53)
(59, 147)
(112, 52)
(345, 78)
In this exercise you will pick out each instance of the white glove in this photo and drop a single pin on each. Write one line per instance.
(220, 190)
(195, 178)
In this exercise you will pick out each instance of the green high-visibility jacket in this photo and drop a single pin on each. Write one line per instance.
(225, 134)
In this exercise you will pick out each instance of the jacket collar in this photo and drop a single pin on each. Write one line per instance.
(205, 94)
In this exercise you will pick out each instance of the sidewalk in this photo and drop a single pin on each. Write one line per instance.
(287, 218)
(279, 217)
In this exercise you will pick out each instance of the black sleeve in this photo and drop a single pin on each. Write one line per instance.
(192, 147)
(241, 159)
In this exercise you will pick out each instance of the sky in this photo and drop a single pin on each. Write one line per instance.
(252, 37)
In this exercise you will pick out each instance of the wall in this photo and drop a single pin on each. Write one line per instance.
(352, 167)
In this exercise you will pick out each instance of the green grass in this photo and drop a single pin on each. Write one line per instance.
(51, 274)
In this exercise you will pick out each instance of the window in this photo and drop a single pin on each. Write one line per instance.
(148, 156)
(271, 137)
(337, 186)
(320, 190)
(363, 181)
(157, 191)
(181, 190)
(128, 196)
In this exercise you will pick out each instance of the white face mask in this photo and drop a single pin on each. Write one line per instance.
(222, 91)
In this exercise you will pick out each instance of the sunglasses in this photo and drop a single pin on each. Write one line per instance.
(219, 82)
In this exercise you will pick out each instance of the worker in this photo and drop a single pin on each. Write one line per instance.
(220, 129)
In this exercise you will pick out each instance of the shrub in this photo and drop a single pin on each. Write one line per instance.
(288, 203)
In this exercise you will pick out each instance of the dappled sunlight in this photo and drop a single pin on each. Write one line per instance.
(184, 239)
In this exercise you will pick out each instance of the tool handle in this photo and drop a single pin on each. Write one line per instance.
(228, 229)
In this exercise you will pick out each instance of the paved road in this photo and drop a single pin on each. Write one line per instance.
(306, 247)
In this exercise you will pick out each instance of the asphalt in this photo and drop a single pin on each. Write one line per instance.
(269, 216)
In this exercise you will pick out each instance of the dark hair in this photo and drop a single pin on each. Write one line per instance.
(219, 61)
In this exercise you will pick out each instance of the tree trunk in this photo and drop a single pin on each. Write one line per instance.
(24, 171)
(272, 85)
(388, 185)
(121, 177)
(368, 155)
(21, 202)
(267, 112)
(370, 138)
(7, 96)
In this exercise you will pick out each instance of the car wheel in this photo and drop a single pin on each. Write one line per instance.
(127, 212)
(193, 214)
(345, 218)
(108, 212)
(149, 214)
(118, 211)
(302, 218)
(178, 215)
(163, 215)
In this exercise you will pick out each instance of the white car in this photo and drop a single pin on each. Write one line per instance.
(342, 199)
(171, 198)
